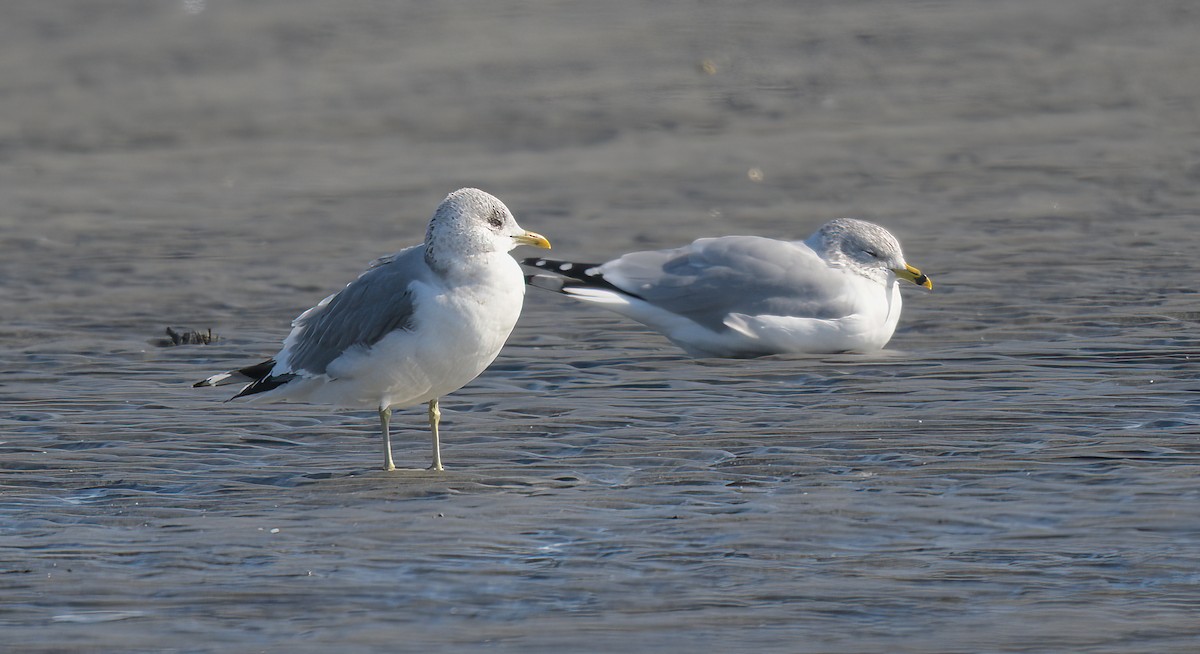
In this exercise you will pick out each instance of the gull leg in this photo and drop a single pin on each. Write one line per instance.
(385, 418)
(434, 417)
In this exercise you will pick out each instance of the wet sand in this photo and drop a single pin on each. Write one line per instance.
(1016, 472)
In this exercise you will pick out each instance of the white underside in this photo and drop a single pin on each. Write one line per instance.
(458, 332)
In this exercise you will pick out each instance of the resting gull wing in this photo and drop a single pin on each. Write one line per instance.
(715, 277)
(379, 302)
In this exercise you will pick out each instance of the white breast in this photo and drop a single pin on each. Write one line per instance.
(458, 331)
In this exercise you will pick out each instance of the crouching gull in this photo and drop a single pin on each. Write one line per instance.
(747, 296)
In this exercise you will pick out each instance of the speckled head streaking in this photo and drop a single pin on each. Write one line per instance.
(864, 248)
(470, 223)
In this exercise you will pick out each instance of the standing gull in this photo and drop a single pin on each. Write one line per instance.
(418, 324)
(746, 296)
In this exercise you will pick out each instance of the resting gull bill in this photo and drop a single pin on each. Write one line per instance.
(747, 296)
(415, 326)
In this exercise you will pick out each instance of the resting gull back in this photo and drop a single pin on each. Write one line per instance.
(415, 326)
(745, 296)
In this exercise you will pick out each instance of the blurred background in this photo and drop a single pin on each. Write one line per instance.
(1016, 472)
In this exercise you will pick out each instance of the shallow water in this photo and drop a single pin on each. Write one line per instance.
(1016, 472)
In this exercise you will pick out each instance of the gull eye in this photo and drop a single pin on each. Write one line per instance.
(497, 219)
(872, 253)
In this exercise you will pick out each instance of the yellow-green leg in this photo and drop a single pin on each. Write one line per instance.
(435, 416)
(385, 418)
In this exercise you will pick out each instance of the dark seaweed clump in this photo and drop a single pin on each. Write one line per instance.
(182, 337)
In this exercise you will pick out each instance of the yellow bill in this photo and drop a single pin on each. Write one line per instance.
(913, 275)
(534, 239)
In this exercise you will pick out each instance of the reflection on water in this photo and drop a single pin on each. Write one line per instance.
(1024, 453)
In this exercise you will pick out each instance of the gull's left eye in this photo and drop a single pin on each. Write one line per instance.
(497, 219)
(872, 253)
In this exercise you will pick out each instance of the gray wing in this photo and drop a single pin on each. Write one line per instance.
(376, 304)
(714, 277)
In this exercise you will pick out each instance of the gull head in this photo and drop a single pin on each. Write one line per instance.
(865, 248)
(471, 223)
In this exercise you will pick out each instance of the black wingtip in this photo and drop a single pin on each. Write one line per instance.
(254, 373)
(569, 274)
(263, 379)
(583, 272)
(558, 265)
(265, 384)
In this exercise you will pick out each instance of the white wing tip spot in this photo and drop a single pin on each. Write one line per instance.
(566, 267)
